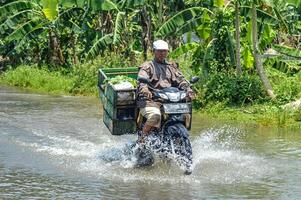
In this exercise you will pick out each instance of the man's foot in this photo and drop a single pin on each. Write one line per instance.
(187, 172)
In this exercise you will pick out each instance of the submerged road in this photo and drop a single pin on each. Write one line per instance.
(51, 147)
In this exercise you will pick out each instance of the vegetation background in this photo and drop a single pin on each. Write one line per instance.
(247, 52)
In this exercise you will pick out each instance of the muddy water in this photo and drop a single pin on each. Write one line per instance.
(53, 147)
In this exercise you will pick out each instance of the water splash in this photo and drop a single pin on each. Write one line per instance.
(219, 156)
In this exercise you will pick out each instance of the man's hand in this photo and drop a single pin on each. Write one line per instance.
(147, 94)
(191, 95)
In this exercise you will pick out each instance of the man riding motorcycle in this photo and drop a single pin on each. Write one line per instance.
(161, 74)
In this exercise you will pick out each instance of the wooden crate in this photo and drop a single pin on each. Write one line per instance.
(119, 114)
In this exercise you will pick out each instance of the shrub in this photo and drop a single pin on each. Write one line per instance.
(234, 90)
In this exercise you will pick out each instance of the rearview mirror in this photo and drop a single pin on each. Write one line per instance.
(194, 79)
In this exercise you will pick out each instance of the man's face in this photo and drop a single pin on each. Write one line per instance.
(160, 55)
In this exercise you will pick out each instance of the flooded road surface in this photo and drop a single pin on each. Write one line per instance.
(51, 148)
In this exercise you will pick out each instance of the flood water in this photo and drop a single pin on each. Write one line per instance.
(51, 148)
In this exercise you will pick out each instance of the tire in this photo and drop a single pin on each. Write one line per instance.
(177, 136)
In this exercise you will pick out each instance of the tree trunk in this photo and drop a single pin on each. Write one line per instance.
(237, 38)
(146, 31)
(257, 58)
(73, 45)
(160, 13)
(56, 55)
(105, 23)
(37, 54)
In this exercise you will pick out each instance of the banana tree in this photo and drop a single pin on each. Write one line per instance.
(26, 20)
(106, 24)
(257, 58)
(213, 29)
(135, 19)
(237, 38)
(32, 20)
(273, 14)
(152, 15)
(96, 23)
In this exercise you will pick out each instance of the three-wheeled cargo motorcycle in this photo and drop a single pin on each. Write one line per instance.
(170, 141)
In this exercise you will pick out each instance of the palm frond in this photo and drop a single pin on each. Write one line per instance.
(12, 21)
(180, 19)
(183, 49)
(99, 5)
(118, 27)
(261, 14)
(288, 51)
(50, 9)
(23, 29)
(31, 34)
(16, 6)
(189, 26)
(99, 46)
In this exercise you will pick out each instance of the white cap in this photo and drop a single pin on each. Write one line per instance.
(160, 45)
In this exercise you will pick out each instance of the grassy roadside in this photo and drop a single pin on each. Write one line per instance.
(268, 115)
(82, 80)
(38, 80)
(77, 81)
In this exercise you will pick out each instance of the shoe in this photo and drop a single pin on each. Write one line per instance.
(188, 171)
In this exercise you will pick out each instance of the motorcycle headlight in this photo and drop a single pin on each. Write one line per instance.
(163, 96)
(174, 96)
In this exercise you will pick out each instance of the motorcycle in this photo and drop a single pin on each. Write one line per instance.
(171, 140)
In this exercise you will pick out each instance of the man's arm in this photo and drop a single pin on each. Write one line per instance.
(182, 83)
(144, 71)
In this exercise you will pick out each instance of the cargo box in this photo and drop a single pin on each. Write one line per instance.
(119, 106)
(119, 127)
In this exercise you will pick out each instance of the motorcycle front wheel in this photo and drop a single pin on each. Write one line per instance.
(179, 144)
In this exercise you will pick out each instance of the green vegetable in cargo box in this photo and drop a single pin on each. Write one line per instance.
(119, 79)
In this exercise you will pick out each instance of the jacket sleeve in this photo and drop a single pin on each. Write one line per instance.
(179, 79)
(144, 71)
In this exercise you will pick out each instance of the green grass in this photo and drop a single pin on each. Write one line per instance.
(76, 80)
(41, 80)
(266, 114)
(82, 80)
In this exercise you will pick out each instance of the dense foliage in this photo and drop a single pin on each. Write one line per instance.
(242, 49)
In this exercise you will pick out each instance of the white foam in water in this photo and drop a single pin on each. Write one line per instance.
(67, 146)
(219, 156)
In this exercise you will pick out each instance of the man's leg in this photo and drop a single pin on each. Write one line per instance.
(146, 129)
(153, 118)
